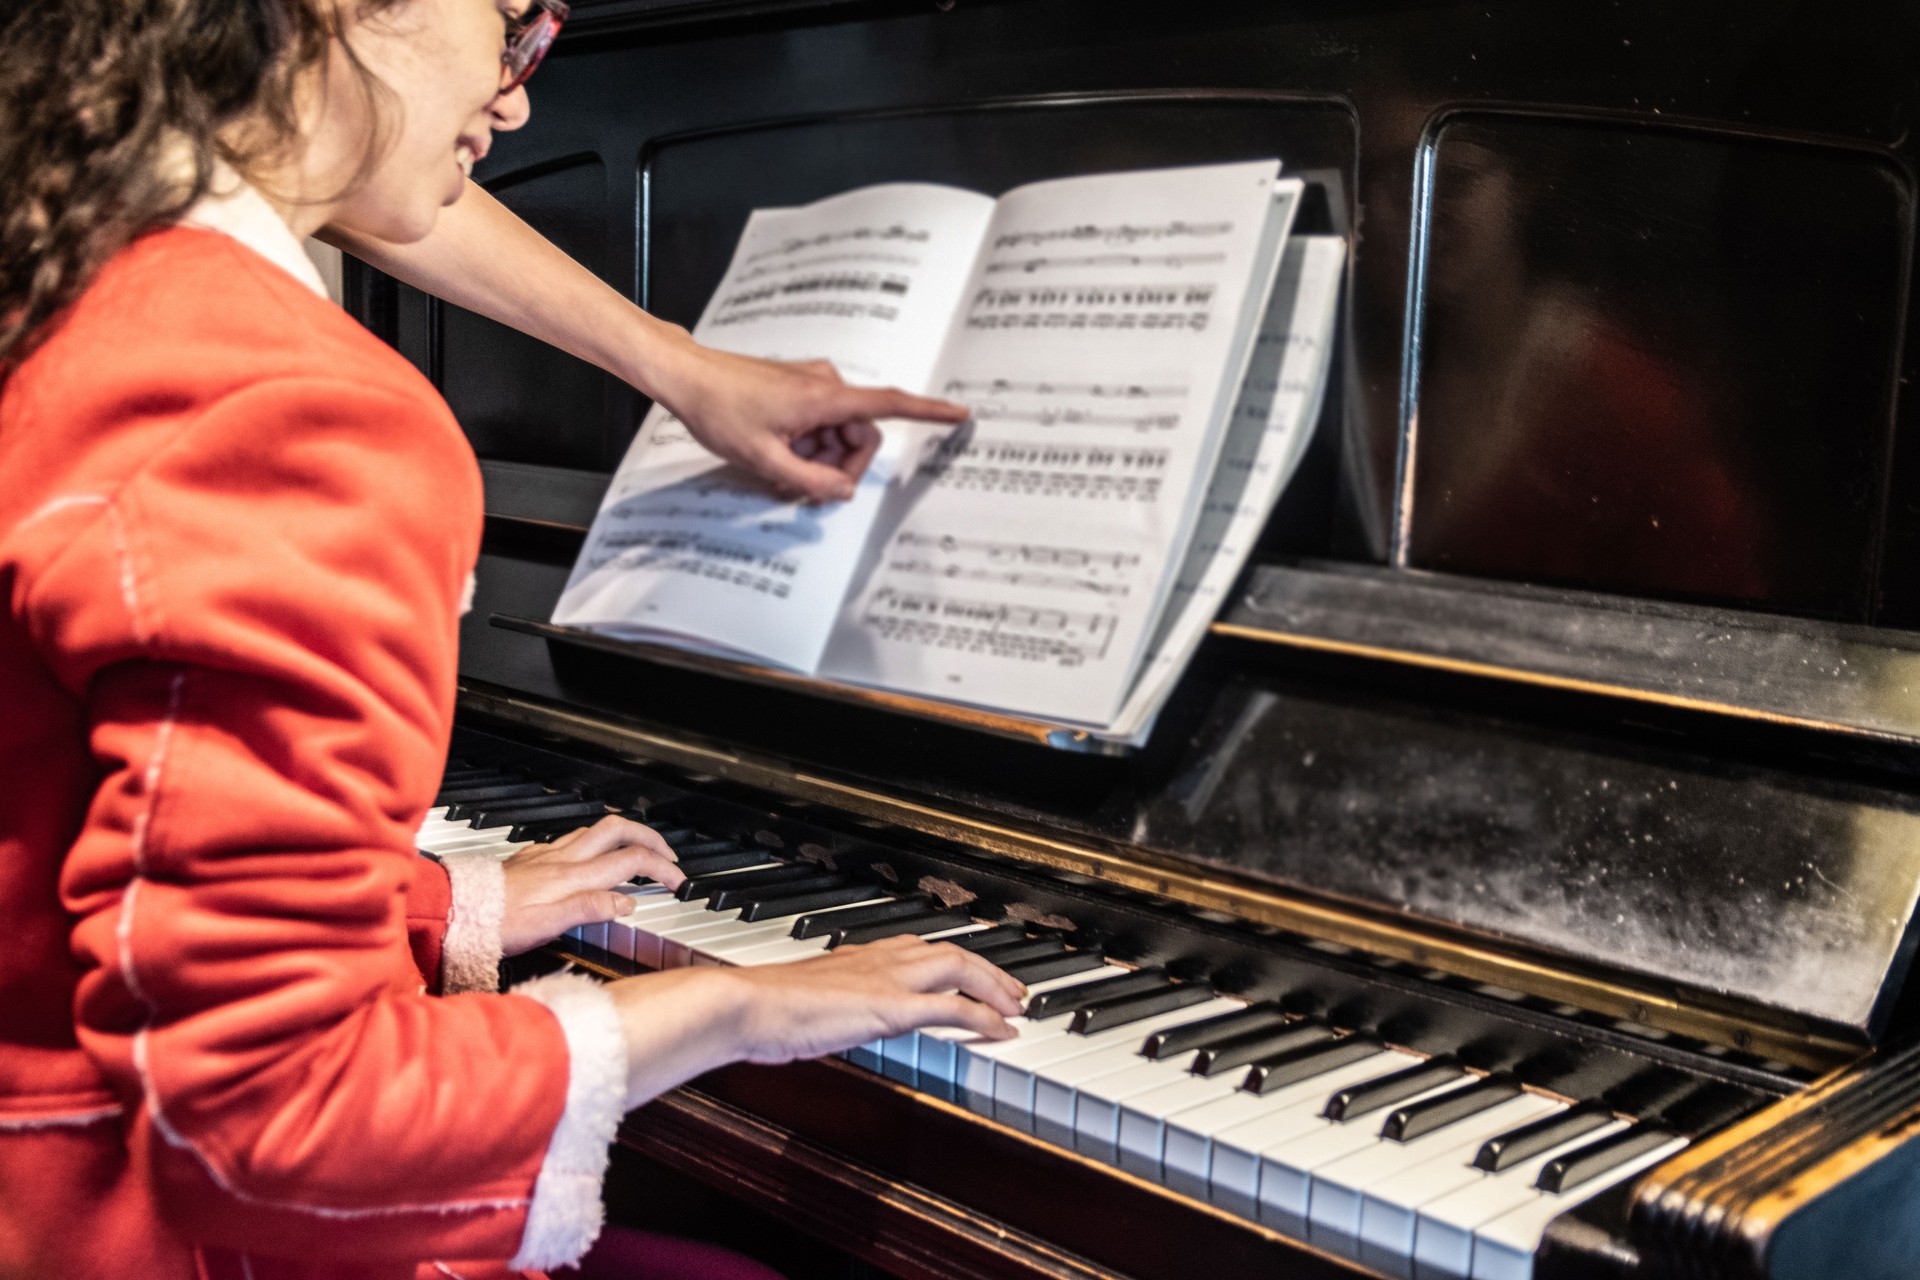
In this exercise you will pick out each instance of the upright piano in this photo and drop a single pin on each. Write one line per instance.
(1522, 879)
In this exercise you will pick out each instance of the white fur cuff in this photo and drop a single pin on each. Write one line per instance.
(565, 1216)
(470, 956)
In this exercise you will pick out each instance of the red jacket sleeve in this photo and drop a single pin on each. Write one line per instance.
(429, 904)
(262, 624)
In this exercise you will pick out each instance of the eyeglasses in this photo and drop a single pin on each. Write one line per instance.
(528, 39)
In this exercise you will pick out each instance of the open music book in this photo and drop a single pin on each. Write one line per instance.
(1144, 354)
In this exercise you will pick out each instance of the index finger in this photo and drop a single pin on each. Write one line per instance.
(891, 402)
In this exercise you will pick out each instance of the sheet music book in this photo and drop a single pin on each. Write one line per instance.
(1144, 355)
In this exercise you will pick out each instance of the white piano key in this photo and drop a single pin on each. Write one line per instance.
(1187, 1156)
(763, 933)
(974, 1061)
(1339, 1190)
(448, 841)
(1444, 1226)
(900, 1055)
(1145, 1119)
(784, 952)
(1015, 1073)
(1503, 1249)
(677, 941)
(944, 1051)
(1286, 1167)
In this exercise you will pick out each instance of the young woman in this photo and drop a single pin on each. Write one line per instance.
(235, 531)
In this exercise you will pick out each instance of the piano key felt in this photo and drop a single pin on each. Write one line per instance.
(784, 904)
(808, 926)
(933, 922)
(1067, 962)
(1503, 1151)
(1404, 1124)
(1216, 1030)
(1358, 1100)
(1131, 1009)
(1217, 1059)
(1293, 1065)
(1051, 1004)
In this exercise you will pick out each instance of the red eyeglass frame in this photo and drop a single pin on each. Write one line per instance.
(529, 44)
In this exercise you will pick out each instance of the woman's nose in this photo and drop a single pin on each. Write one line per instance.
(510, 110)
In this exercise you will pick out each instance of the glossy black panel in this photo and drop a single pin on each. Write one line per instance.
(521, 400)
(1658, 361)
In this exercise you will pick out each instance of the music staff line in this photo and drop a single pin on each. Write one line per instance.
(1063, 416)
(822, 260)
(1030, 266)
(1094, 390)
(1000, 552)
(1118, 233)
(1007, 577)
(798, 244)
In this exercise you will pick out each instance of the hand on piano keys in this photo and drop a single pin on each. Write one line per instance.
(1415, 1167)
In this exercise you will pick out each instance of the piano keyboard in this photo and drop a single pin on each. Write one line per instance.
(1413, 1166)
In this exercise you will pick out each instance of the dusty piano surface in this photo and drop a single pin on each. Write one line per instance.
(1546, 799)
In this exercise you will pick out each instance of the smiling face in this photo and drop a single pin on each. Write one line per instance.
(440, 63)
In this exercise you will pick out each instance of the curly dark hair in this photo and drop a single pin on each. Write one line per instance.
(113, 116)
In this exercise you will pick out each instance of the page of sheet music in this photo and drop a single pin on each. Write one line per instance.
(868, 280)
(1266, 438)
(1100, 343)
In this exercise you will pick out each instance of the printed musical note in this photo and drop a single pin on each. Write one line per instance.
(992, 628)
(1097, 390)
(766, 270)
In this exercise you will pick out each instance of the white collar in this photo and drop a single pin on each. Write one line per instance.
(234, 207)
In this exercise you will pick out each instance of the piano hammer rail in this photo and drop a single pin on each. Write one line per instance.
(1763, 1032)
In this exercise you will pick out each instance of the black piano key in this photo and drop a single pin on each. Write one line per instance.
(468, 810)
(1047, 968)
(673, 835)
(700, 886)
(1000, 936)
(775, 907)
(1210, 1031)
(813, 926)
(1707, 1108)
(1564, 1173)
(1022, 949)
(1306, 1062)
(1404, 1124)
(934, 922)
(559, 807)
(726, 895)
(1259, 1047)
(1127, 1010)
(552, 829)
(701, 848)
(1068, 999)
(1504, 1150)
(474, 793)
(733, 860)
(1367, 1097)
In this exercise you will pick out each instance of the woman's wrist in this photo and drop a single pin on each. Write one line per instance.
(680, 1024)
(656, 357)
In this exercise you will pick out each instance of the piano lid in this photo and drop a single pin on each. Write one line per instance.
(1629, 313)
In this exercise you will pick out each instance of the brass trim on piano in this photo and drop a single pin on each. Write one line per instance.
(1753, 1029)
(1539, 679)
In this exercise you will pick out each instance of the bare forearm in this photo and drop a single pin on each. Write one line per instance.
(483, 257)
